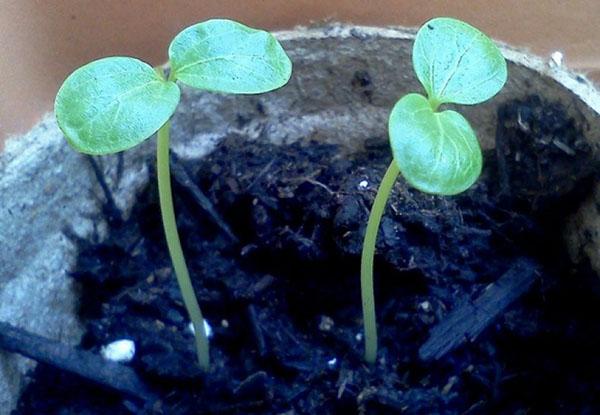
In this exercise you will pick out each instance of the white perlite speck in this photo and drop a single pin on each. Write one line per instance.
(326, 323)
(119, 351)
(425, 306)
(556, 59)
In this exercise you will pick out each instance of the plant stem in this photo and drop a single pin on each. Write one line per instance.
(366, 264)
(174, 244)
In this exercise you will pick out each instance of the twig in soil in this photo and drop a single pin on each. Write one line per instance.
(390, 401)
(238, 408)
(182, 177)
(258, 287)
(257, 331)
(253, 387)
(311, 179)
(111, 210)
(318, 183)
(260, 175)
(80, 362)
(468, 321)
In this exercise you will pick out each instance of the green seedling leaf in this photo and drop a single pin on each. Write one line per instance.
(456, 63)
(436, 152)
(226, 56)
(113, 104)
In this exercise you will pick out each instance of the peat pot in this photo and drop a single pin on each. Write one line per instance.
(292, 175)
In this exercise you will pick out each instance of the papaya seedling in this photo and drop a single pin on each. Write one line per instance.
(115, 103)
(436, 151)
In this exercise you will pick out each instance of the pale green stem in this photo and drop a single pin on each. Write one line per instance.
(174, 244)
(366, 264)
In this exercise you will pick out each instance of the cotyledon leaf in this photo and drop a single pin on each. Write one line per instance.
(113, 104)
(436, 152)
(225, 56)
(457, 63)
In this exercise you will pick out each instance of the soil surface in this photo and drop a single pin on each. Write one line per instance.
(283, 295)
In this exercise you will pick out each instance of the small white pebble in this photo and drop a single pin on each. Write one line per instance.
(331, 363)
(207, 329)
(363, 184)
(326, 323)
(358, 337)
(425, 306)
(451, 382)
(118, 351)
(556, 59)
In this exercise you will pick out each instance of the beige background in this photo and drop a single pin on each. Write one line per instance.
(42, 41)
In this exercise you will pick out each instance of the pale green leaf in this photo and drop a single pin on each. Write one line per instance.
(113, 104)
(226, 56)
(436, 152)
(456, 63)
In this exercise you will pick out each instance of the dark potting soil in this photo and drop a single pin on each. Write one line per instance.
(284, 299)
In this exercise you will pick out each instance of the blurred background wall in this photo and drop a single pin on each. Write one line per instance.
(42, 41)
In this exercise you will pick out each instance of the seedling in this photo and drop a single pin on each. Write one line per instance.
(115, 103)
(436, 151)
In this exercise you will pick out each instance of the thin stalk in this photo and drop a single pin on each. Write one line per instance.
(366, 263)
(174, 244)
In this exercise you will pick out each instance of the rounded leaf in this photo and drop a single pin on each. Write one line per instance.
(113, 104)
(436, 152)
(457, 63)
(226, 56)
